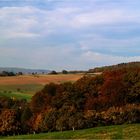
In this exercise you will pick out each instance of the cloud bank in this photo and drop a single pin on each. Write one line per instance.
(68, 34)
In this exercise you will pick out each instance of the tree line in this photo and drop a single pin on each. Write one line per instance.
(110, 98)
(6, 73)
(114, 67)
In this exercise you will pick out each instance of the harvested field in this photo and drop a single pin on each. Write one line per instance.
(25, 86)
(39, 79)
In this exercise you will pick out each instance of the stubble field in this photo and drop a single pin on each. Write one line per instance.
(25, 86)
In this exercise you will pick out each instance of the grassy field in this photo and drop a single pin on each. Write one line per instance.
(17, 95)
(131, 131)
(25, 86)
(19, 91)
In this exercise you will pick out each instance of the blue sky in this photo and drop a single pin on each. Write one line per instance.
(68, 34)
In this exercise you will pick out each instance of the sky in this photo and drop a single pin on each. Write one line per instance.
(68, 34)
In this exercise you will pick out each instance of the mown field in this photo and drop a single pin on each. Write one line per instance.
(130, 131)
(25, 86)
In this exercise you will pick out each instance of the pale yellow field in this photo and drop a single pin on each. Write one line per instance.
(39, 79)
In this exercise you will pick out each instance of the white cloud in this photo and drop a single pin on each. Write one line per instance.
(102, 59)
(58, 58)
(84, 25)
(18, 22)
(31, 21)
(104, 17)
(118, 46)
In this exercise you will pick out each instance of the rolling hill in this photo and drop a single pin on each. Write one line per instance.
(23, 70)
(115, 67)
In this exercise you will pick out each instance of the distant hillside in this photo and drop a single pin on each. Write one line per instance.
(23, 70)
(118, 66)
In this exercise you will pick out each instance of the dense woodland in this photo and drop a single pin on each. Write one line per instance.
(114, 67)
(110, 98)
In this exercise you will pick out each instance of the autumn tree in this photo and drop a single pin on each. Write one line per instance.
(25, 116)
(132, 82)
(39, 102)
(9, 122)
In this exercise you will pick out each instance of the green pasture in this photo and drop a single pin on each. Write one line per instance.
(20, 91)
(127, 131)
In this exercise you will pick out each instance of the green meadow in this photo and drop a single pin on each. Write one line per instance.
(25, 86)
(25, 91)
(127, 131)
